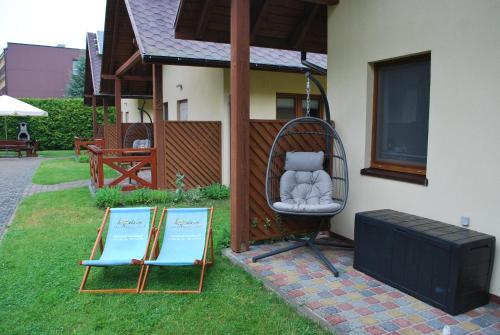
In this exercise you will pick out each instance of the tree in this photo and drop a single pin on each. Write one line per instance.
(77, 83)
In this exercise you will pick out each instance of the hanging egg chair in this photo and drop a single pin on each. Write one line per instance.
(307, 175)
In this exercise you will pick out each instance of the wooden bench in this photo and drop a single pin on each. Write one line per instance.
(30, 147)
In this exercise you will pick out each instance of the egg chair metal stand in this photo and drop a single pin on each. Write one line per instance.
(309, 134)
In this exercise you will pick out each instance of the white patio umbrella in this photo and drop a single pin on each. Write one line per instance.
(13, 107)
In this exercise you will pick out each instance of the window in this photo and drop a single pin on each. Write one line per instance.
(182, 110)
(165, 111)
(289, 106)
(75, 67)
(401, 115)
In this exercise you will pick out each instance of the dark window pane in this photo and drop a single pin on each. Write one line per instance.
(285, 108)
(403, 112)
(165, 111)
(313, 107)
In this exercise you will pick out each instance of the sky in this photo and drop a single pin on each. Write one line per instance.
(50, 22)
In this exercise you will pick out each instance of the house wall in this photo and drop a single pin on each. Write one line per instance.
(35, 71)
(463, 159)
(131, 113)
(207, 92)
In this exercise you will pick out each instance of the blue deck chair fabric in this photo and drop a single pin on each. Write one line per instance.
(184, 237)
(127, 237)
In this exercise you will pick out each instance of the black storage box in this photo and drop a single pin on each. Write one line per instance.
(446, 266)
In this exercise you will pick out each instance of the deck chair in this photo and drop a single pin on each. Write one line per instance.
(186, 240)
(127, 242)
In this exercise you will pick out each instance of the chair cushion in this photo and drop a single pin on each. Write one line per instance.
(304, 161)
(141, 144)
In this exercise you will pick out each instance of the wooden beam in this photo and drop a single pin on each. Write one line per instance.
(240, 110)
(118, 111)
(259, 17)
(300, 32)
(94, 116)
(323, 2)
(202, 23)
(159, 126)
(127, 77)
(129, 63)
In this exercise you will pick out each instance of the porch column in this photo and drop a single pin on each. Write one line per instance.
(118, 111)
(158, 125)
(94, 117)
(240, 110)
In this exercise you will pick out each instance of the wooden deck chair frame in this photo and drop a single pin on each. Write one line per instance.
(99, 242)
(209, 243)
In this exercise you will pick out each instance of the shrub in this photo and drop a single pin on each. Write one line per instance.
(108, 197)
(67, 118)
(215, 192)
(194, 195)
(147, 196)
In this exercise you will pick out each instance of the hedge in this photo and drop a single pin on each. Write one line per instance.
(68, 117)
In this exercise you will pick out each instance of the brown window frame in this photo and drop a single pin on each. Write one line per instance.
(391, 170)
(298, 102)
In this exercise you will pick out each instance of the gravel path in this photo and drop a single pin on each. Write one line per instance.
(15, 176)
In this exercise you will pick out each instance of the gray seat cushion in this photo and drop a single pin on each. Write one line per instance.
(305, 186)
(141, 144)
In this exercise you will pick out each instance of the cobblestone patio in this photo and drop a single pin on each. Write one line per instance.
(355, 303)
(15, 175)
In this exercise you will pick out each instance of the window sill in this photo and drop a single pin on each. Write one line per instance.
(399, 176)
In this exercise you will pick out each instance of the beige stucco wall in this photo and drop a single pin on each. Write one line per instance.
(207, 92)
(203, 87)
(264, 85)
(131, 113)
(464, 115)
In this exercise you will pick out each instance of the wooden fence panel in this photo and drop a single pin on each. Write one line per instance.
(110, 136)
(264, 223)
(193, 148)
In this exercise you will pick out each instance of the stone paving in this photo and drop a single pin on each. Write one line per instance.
(34, 188)
(15, 175)
(355, 303)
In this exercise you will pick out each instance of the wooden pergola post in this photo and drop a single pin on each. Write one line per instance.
(118, 111)
(94, 116)
(158, 125)
(240, 110)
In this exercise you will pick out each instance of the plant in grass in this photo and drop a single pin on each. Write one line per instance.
(179, 186)
(108, 197)
(194, 195)
(216, 192)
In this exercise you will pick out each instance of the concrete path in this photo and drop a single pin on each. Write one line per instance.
(34, 188)
(15, 176)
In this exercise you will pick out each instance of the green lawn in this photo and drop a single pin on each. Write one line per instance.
(56, 153)
(64, 170)
(39, 280)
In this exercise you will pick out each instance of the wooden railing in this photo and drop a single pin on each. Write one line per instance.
(85, 142)
(128, 163)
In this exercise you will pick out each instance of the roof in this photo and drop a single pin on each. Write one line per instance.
(299, 25)
(95, 61)
(153, 23)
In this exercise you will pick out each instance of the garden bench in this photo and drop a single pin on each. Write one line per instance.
(30, 147)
